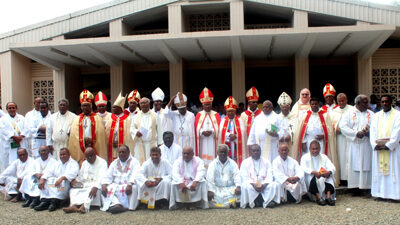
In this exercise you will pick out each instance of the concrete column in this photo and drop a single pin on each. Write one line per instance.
(301, 69)
(116, 80)
(176, 77)
(364, 75)
(59, 85)
(118, 28)
(16, 80)
(238, 81)
(175, 19)
(237, 15)
(300, 19)
(73, 86)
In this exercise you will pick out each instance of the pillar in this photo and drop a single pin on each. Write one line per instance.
(176, 71)
(238, 80)
(301, 69)
(175, 19)
(364, 75)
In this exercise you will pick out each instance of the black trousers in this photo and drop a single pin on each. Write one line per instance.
(314, 190)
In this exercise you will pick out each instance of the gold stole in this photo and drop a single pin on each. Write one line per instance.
(384, 155)
(142, 152)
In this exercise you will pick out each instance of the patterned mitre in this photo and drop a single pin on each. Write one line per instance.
(180, 101)
(158, 95)
(206, 96)
(284, 99)
(100, 99)
(86, 97)
(134, 96)
(329, 90)
(252, 94)
(120, 101)
(230, 103)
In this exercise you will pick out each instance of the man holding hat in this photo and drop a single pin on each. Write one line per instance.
(158, 97)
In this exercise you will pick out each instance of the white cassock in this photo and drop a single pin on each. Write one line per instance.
(11, 126)
(117, 178)
(149, 171)
(16, 170)
(52, 173)
(172, 153)
(165, 123)
(104, 117)
(258, 172)
(342, 143)
(30, 116)
(207, 145)
(313, 129)
(38, 138)
(148, 125)
(314, 163)
(187, 172)
(282, 170)
(182, 127)
(134, 113)
(57, 130)
(287, 126)
(385, 179)
(223, 179)
(258, 135)
(299, 109)
(30, 183)
(90, 175)
(359, 151)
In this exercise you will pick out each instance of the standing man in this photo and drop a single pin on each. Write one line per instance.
(13, 130)
(252, 111)
(355, 126)
(182, 121)
(87, 130)
(206, 126)
(158, 97)
(58, 128)
(144, 131)
(329, 96)
(287, 122)
(101, 103)
(384, 138)
(303, 104)
(232, 132)
(30, 116)
(133, 101)
(169, 150)
(38, 128)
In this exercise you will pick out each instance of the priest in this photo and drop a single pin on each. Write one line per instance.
(38, 129)
(252, 111)
(169, 150)
(133, 101)
(158, 97)
(206, 128)
(101, 104)
(303, 104)
(30, 116)
(329, 96)
(287, 122)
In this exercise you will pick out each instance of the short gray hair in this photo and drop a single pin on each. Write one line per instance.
(358, 99)
(144, 99)
(222, 147)
(63, 100)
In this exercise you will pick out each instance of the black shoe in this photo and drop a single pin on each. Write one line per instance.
(34, 203)
(54, 203)
(321, 202)
(27, 203)
(42, 206)
(330, 202)
(117, 209)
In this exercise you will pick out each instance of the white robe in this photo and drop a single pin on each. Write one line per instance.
(359, 151)
(314, 163)
(258, 172)
(149, 171)
(282, 170)
(52, 173)
(9, 177)
(172, 153)
(258, 135)
(207, 144)
(30, 116)
(313, 129)
(223, 179)
(386, 186)
(34, 126)
(104, 117)
(187, 173)
(30, 183)
(11, 126)
(90, 175)
(165, 123)
(182, 127)
(117, 179)
(57, 131)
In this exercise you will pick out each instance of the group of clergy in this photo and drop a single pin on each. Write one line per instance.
(133, 153)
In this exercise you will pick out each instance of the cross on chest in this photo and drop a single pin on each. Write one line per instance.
(123, 191)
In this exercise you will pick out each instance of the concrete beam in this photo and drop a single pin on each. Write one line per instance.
(168, 53)
(369, 49)
(55, 65)
(306, 47)
(104, 57)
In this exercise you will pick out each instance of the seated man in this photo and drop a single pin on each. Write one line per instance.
(11, 178)
(55, 181)
(29, 186)
(119, 189)
(170, 150)
(223, 180)
(257, 181)
(288, 173)
(85, 190)
(188, 181)
(155, 184)
(319, 171)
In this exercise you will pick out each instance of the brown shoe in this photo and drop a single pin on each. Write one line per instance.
(71, 209)
(14, 200)
(82, 209)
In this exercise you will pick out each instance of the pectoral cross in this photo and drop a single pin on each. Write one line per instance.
(61, 131)
(123, 191)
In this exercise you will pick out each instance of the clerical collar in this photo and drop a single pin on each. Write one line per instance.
(301, 103)
(121, 114)
(252, 110)
(103, 114)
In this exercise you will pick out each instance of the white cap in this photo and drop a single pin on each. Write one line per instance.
(180, 101)
(158, 95)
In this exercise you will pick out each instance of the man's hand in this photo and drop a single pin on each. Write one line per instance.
(93, 192)
(316, 174)
(19, 182)
(210, 195)
(42, 128)
(360, 134)
(183, 187)
(138, 134)
(73, 182)
(171, 101)
(293, 180)
(148, 183)
(17, 139)
(128, 189)
(158, 180)
(38, 175)
(238, 190)
(232, 137)
(272, 133)
(104, 190)
(206, 133)
(337, 130)
(88, 142)
(327, 174)
(320, 137)
(193, 186)
(380, 146)
(59, 181)
(41, 184)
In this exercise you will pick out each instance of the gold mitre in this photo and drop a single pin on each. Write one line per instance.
(284, 99)
(120, 101)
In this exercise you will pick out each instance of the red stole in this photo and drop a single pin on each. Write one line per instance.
(304, 128)
(250, 119)
(239, 149)
(120, 134)
(92, 129)
(200, 118)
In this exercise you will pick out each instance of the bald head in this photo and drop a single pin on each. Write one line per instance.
(144, 104)
(187, 153)
(305, 95)
(90, 155)
(44, 152)
(22, 154)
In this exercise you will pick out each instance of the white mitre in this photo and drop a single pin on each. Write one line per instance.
(158, 95)
(284, 99)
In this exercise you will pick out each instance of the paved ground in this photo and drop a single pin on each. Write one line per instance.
(363, 211)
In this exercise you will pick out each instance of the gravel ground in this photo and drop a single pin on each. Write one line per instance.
(363, 211)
